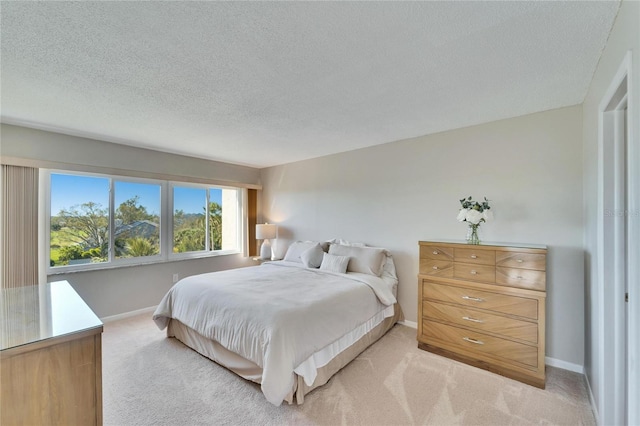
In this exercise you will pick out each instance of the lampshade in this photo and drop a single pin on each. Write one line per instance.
(266, 231)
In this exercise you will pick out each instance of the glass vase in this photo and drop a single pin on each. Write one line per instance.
(472, 234)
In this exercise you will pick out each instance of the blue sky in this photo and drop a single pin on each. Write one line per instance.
(149, 195)
(192, 200)
(70, 190)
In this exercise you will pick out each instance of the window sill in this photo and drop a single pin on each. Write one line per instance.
(101, 267)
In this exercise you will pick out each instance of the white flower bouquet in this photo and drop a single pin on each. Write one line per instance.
(474, 213)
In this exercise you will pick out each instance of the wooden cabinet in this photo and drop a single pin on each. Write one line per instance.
(485, 305)
(50, 357)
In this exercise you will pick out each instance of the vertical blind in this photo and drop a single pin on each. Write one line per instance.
(19, 205)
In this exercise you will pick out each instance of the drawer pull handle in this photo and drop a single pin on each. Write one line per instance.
(472, 319)
(519, 277)
(470, 340)
(435, 268)
(519, 260)
(474, 272)
(475, 299)
(473, 256)
(436, 252)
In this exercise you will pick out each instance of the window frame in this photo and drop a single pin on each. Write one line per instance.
(166, 223)
(206, 252)
(112, 222)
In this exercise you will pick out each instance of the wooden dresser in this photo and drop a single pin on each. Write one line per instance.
(485, 305)
(50, 357)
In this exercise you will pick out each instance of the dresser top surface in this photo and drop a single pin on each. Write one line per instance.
(39, 312)
(486, 244)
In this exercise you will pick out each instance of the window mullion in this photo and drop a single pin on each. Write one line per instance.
(166, 220)
(112, 221)
(207, 238)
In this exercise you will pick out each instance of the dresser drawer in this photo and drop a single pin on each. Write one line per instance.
(436, 268)
(481, 343)
(511, 259)
(522, 278)
(507, 304)
(470, 272)
(436, 252)
(482, 321)
(472, 255)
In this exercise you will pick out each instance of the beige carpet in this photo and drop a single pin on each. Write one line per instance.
(151, 380)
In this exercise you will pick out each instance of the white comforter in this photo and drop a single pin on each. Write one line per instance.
(276, 315)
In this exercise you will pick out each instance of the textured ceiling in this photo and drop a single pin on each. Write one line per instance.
(266, 83)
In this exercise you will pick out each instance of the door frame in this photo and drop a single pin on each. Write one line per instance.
(612, 405)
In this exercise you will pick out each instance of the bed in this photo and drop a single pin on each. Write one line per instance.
(288, 325)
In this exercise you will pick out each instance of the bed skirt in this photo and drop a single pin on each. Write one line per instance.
(251, 371)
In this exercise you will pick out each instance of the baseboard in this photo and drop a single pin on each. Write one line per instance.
(594, 407)
(411, 324)
(576, 368)
(128, 314)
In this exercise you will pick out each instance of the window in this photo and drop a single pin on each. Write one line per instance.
(189, 219)
(79, 221)
(137, 219)
(205, 219)
(96, 221)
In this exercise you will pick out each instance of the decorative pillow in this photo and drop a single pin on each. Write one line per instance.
(296, 249)
(312, 257)
(333, 263)
(367, 260)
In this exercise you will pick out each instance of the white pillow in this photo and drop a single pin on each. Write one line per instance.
(296, 249)
(367, 260)
(312, 257)
(334, 263)
(324, 245)
(346, 243)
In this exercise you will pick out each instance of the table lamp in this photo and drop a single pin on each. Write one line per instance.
(266, 232)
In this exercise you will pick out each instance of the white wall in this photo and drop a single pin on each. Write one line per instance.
(40, 145)
(396, 194)
(114, 291)
(624, 36)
